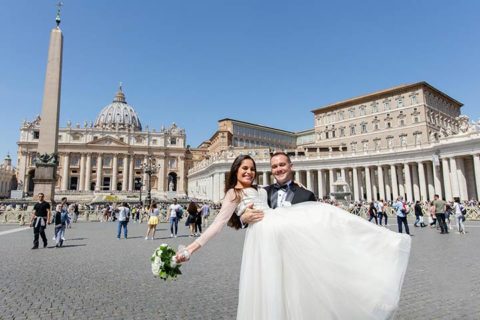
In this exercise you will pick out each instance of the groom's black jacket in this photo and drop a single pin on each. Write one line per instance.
(299, 194)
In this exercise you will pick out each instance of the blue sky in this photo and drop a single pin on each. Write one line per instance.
(268, 62)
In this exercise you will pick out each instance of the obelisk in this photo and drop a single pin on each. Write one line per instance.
(47, 158)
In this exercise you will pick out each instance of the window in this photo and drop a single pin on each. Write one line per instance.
(374, 107)
(364, 127)
(326, 135)
(352, 130)
(386, 105)
(400, 102)
(389, 125)
(362, 110)
(341, 115)
(173, 141)
(333, 133)
(414, 98)
(342, 132)
(121, 139)
(376, 126)
(154, 141)
(36, 134)
(416, 120)
(352, 113)
(138, 162)
(402, 123)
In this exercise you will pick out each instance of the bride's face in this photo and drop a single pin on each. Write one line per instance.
(245, 174)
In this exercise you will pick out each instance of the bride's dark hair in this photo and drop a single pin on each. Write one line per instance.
(231, 183)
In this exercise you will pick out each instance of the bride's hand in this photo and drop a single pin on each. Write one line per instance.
(183, 254)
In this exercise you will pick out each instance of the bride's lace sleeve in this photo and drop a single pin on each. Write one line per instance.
(228, 208)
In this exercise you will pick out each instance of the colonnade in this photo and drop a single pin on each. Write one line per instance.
(122, 170)
(449, 177)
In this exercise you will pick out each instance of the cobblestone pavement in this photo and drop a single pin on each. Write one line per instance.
(96, 276)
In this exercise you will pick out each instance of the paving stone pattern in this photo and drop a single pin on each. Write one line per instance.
(96, 276)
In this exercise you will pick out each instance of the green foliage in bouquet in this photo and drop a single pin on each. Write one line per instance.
(164, 264)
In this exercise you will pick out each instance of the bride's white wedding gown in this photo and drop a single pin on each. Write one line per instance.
(315, 261)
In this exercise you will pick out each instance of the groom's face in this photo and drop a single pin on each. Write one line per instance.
(281, 168)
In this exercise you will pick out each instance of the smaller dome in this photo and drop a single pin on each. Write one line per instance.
(118, 114)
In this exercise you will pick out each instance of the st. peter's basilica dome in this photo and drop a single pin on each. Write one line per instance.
(119, 115)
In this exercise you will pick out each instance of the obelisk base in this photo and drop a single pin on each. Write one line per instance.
(44, 181)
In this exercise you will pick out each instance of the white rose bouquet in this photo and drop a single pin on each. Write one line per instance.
(164, 264)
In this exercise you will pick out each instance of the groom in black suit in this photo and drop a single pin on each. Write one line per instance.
(284, 192)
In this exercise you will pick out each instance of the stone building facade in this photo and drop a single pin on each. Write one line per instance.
(410, 140)
(109, 154)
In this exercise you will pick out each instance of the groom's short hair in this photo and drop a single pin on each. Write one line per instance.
(281, 153)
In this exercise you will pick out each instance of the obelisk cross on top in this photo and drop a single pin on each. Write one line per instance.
(47, 158)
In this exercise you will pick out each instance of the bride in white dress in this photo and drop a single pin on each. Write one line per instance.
(311, 260)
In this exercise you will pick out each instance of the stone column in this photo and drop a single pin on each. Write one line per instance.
(88, 173)
(356, 191)
(393, 176)
(98, 184)
(265, 182)
(221, 192)
(454, 178)
(145, 176)
(408, 182)
(423, 184)
(321, 185)
(297, 176)
(131, 173)
(181, 178)
(446, 180)
(331, 181)
(416, 184)
(82, 173)
(125, 173)
(401, 184)
(368, 184)
(476, 168)
(161, 174)
(381, 183)
(66, 170)
(430, 181)
(437, 180)
(309, 180)
(216, 187)
(114, 172)
(462, 180)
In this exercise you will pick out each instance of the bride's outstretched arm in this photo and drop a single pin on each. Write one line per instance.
(228, 207)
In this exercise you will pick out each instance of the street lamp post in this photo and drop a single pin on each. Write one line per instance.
(149, 168)
(139, 185)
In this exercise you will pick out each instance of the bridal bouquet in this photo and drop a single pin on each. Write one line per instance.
(164, 264)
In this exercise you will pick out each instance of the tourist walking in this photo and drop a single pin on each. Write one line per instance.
(459, 210)
(40, 219)
(192, 217)
(432, 218)
(401, 212)
(205, 214)
(198, 224)
(381, 211)
(440, 213)
(60, 220)
(123, 218)
(153, 213)
(448, 214)
(372, 212)
(174, 213)
(418, 215)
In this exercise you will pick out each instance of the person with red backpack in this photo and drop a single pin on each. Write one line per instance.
(401, 209)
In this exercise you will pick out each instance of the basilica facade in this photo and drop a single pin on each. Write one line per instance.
(114, 154)
(410, 141)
